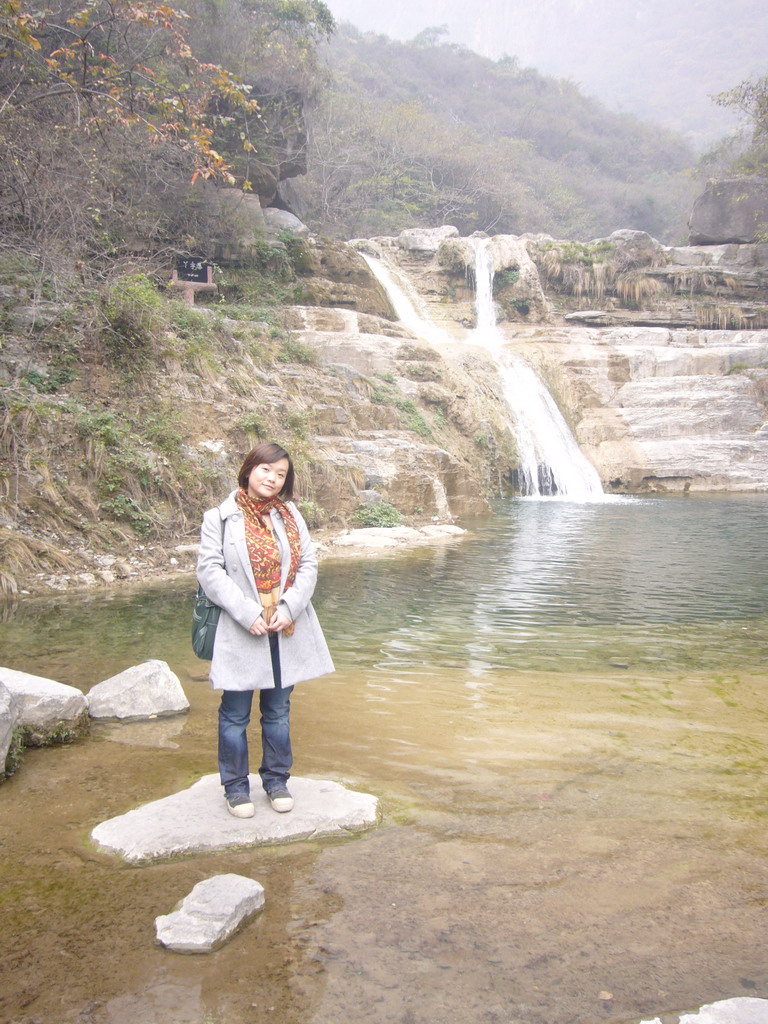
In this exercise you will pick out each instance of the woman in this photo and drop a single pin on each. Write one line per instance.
(258, 564)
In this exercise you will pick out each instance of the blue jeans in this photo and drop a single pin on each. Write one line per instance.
(234, 716)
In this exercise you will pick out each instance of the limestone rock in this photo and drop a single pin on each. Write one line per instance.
(337, 275)
(141, 691)
(425, 239)
(413, 475)
(662, 410)
(442, 530)
(741, 1010)
(210, 915)
(45, 708)
(196, 820)
(241, 209)
(730, 210)
(9, 713)
(277, 221)
(36, 317)
(692, 414)
(638, 248)
(374, 539)
(509, 251)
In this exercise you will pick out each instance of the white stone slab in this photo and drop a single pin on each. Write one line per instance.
(210, 914)
(375, 537)
(196, 820)
(742, 1010)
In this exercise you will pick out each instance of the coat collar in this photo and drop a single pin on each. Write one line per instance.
(228, 507)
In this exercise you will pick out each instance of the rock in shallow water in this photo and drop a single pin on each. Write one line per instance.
(9, 714)
(196, 820)
(141, 691)
(743, 1010)
(45, 709)
(210, 914)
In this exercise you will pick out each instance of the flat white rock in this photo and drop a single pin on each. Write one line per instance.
(374, 537)
(196, 820)
(210, 914)
(742, 1010)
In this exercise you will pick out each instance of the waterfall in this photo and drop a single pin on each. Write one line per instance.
(407, 303)
(551, 462)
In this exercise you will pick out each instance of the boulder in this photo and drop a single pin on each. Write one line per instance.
(277, 221)
(730, 210)
(238, 215)
(9, 713)
(638, 247)
(510, 252)
(335, 274)
(425, 239)
(211, 914)
(196, 820)
(142, 691)
(47, 710)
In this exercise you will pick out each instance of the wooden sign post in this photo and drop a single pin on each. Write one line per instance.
(193, 274)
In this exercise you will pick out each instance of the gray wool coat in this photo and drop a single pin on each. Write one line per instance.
(242, 661)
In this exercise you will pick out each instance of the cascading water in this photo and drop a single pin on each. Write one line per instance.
(406, 301)
(551, 462)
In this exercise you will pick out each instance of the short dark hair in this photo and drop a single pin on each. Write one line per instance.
(264, 455)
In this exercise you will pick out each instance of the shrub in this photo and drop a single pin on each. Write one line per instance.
(15, 753)
(293, 351)
(382, 514)
(253, 423)
(315, 515)
(505, 279)
(124, 508)
(49, 383)
(189, 323)
(298, 424)
(103, 427)
(133, 313)
(450, 256)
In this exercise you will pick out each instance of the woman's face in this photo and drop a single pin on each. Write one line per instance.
(267, 479)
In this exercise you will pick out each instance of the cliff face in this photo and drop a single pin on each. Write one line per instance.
(656, 357)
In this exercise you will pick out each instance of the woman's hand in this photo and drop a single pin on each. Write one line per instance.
(259, 627)
(278, 622)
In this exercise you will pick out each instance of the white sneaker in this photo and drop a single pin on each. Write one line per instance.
(243, 809)
(281, 800)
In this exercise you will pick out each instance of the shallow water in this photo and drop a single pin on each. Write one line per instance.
(565, 717)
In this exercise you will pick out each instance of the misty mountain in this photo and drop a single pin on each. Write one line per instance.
(659, 60)
(409, 133)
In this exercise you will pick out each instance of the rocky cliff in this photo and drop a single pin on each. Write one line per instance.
(657, 357)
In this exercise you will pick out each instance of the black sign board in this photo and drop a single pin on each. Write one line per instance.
(192, 268)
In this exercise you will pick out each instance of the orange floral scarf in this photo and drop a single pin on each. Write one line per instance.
(263, 550)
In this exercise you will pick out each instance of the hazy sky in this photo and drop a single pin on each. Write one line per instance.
(659, 59)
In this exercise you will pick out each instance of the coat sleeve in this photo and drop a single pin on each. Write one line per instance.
(213, 578)
(297, 597)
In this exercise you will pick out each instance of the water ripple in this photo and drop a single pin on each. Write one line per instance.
(668, 583)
